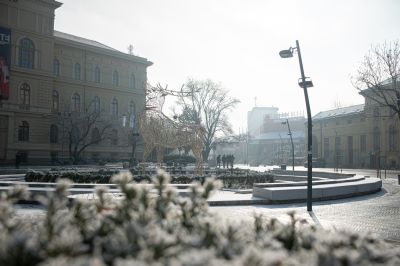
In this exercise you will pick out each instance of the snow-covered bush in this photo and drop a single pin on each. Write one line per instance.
(141, 229)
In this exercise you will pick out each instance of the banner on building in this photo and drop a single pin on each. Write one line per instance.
(5, 62)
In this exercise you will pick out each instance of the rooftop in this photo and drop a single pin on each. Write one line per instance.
(339, 112)
(81, 40)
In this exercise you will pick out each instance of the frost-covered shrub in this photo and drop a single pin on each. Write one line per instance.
(103, 176)
(143, 229)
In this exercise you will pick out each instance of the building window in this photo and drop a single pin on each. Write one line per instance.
(132, 81)
(96, 104)
(337, 146)
(376, 138)
(53, 134)
(114, 107)
(114, 137)
(76, 103)
(115, 78)
(326, 148)
(25, 96)
(363, 143)
(97, 74)
(132, 121)
(350, 150)
(56, 67)
(23, 131)
(96, 136)
(131, 108)
(376, 113)
(362, 117)
(392, 138)
(26, 53)
(77, 71)
(55, 101)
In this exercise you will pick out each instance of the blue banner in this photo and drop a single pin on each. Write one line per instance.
(5, 62)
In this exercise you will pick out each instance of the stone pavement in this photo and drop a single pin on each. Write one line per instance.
(378, 213)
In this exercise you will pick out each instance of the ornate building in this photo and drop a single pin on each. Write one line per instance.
(52, 76)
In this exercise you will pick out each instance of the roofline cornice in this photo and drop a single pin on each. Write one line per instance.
(78, 45)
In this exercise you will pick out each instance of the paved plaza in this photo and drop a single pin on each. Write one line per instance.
(377, 213)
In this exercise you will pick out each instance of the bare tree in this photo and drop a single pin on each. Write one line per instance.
(206, 103)
(84, 129)
(378, 76)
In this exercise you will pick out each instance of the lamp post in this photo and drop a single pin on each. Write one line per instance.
(291, 140)
(304, 83)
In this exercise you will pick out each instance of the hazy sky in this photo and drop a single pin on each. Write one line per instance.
(236, 43)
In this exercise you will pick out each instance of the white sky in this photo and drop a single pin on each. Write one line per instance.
(236, 43)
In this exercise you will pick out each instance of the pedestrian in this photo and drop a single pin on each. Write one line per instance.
(232, 160)
(223, 160)
(219, 161)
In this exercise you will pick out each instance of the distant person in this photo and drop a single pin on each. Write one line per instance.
(223, 160)
(232, 159)
(219, 161)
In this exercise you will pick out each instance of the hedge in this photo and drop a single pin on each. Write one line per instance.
(233, 181)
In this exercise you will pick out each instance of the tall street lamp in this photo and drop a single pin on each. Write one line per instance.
(304, 83)
(291, 139)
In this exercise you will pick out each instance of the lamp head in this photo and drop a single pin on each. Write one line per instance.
(286, 53)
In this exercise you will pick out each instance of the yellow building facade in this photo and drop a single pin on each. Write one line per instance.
(52, 74)
(359, 136)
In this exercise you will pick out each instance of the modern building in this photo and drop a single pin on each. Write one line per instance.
(255, 119)
(49, 76)
(272, 145)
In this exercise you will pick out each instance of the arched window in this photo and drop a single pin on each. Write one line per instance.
(114, 137)
(23, 131)
(53, 134)
(97, 74)
(26, 53)
(132, 114)
(76, 103)
(376, 139)
(95, 135)
(114, 107)
(56, 67)
(132, 81)
(96, 104)
(55, 101)
(392, 138)
(77, 71)
(115, 78)
(25, 95)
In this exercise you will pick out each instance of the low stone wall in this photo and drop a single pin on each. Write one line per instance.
(331, 175)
